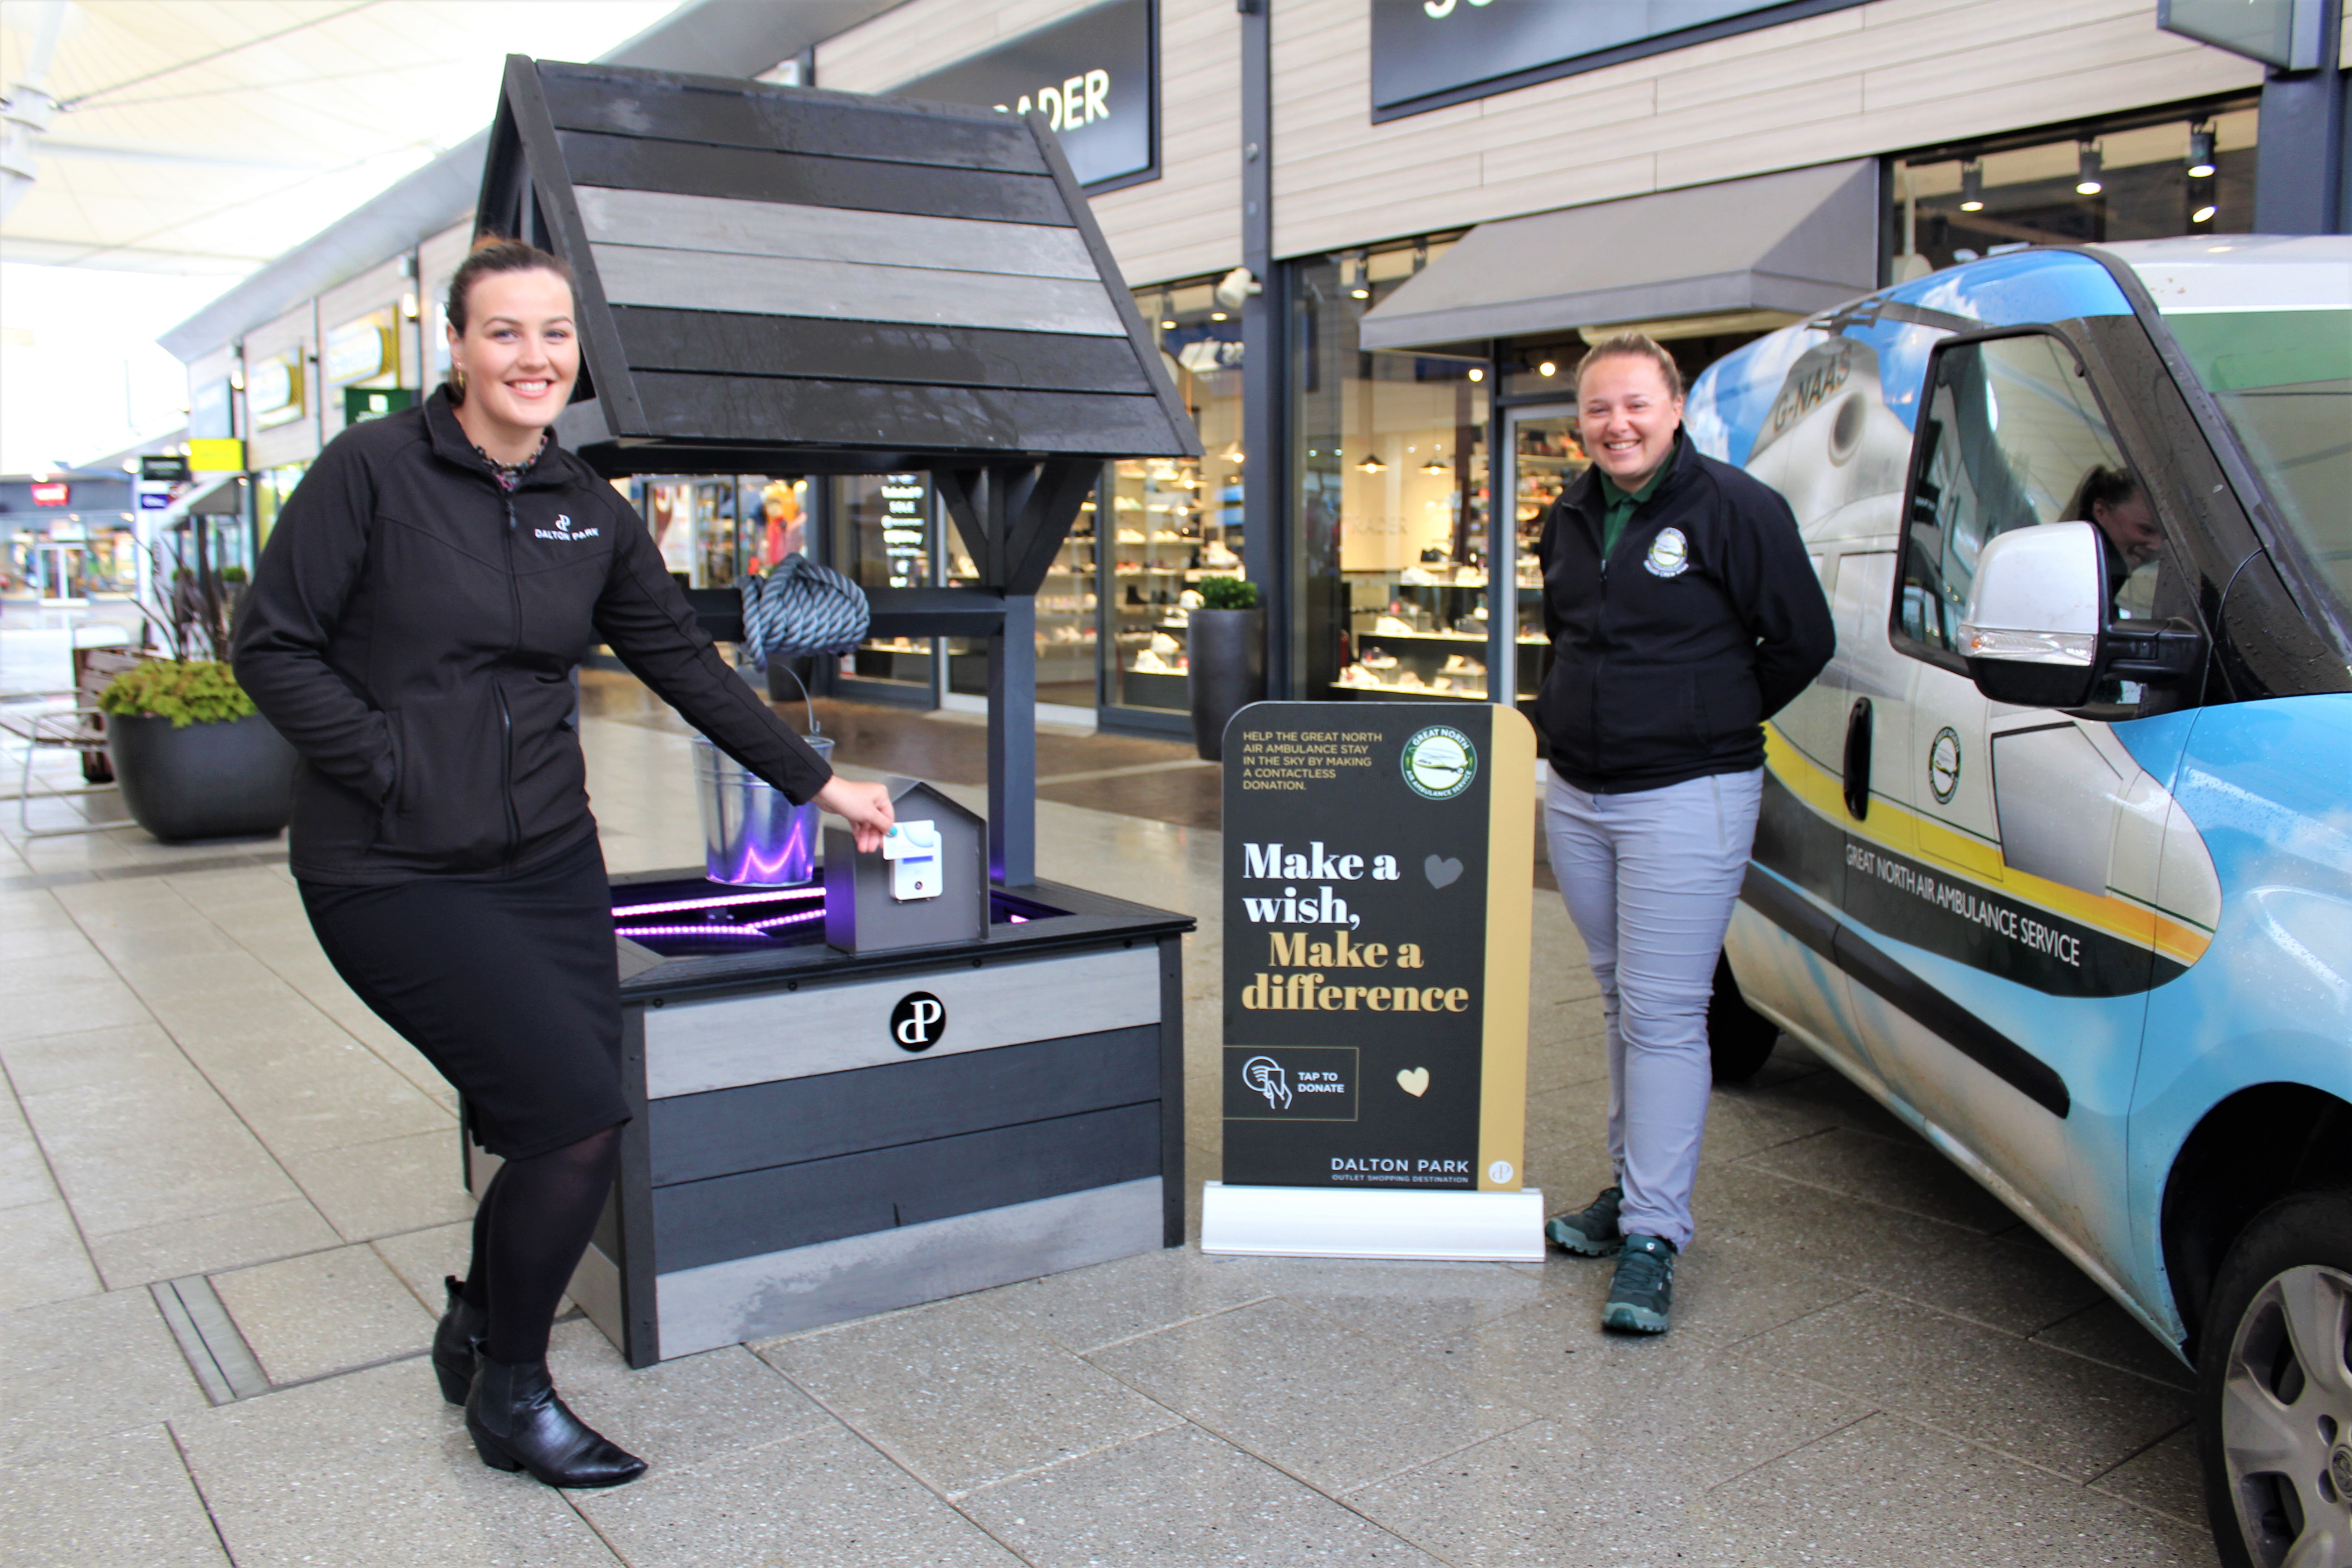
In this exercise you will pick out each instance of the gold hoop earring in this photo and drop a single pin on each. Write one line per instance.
(457, 379)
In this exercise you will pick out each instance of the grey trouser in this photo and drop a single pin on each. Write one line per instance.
(1650, 878)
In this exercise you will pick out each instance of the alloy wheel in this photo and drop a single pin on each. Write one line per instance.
(2286, 1420)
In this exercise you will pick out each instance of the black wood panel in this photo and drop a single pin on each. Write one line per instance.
(752, 117)
(815, 413)
(726, 1217)
(729, 342)
(695, 1136)
(635, 163)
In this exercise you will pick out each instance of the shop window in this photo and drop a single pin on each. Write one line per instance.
(693, 521)
(886, 536)
(1174, 522)
(1396, 593)
(271, 487)
(2188, 174)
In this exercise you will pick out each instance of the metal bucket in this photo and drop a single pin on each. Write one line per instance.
(751, 836)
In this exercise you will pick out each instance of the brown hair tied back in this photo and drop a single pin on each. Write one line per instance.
(491, 253)
(2101, 486)
(1639, 345)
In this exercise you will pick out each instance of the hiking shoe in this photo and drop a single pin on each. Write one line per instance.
(1644, 1291)
(1593, 1233)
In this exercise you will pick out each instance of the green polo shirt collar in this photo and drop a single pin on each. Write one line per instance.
(1618, 505)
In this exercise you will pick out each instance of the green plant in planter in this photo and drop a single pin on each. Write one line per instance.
(185, 691)
(1227, 593)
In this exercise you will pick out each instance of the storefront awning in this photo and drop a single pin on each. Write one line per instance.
(1798, 241)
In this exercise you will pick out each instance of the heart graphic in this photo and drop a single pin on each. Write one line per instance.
(1440, 872)
(1414, 1081)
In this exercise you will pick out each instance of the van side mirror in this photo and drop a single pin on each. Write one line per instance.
(2036, 632)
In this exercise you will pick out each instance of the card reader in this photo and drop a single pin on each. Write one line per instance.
(913, 850)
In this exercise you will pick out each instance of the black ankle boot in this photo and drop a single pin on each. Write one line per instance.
(517, 1424)
(457, 1342)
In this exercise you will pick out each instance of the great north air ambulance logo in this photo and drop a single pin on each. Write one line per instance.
(1440, 763)
(1669, 553)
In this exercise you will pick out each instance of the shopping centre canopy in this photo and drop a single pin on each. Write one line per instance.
(1793, 243)
(788, 281)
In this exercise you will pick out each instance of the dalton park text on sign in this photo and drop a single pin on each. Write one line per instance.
(1378, 886)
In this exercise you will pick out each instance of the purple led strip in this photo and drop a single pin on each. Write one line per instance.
(714, 929)
(728, 901)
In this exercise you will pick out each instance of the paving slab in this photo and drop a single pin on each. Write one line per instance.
(1886, 1491)
(2042, 1406)
(2104, 1332)
(823, 1500)
(962, 1396)
(47, 1261)
(1087, 1309)
(684, 1411)
(1416, 1304)
(124, 1500)
(1900, 1170)
(372, 1469)
(385, 1188)
(2164, 1477)
(86, 1368)
(304, 1317)
(211, 1242)
(24, 1174)
(1333, 1406)
(1177, 1498)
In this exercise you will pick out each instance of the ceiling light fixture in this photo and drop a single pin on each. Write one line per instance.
(1372, 464)
(2203, 214)
(1359, 276)
(1478, 373)
(1972, 186)
(2088, 183)
(2201, 152)
(1547, 369)
(1167, 311)
(1216, 315)
(1437, 464)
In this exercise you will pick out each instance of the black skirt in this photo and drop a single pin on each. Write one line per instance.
(510, 988)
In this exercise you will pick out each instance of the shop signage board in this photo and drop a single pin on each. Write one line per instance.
(1429, 53)
(1378, 897)
(1095, 78)
(906, 526)
(52, 492)
(361, 404)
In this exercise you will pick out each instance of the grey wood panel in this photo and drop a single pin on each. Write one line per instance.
(670, 220)
(711, 1221)
(728, 343)
(640, 164)
(790, 286)
(808, 1287)
(961, 420)
(727, 1130)
(746, 114)
(827, 1028)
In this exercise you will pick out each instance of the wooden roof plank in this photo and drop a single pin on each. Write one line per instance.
(675, 221)
(783, 285)
(948, 420)
(730, 342)
(751, 174)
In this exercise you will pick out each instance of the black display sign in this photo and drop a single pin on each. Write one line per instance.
(1095, 78)
(163, 467)
(1379, 878)
(1427, 53)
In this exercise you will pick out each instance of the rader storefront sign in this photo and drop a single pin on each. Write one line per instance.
(1378, 905)
(1095, 78)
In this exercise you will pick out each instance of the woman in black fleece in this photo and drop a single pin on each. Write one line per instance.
(413, 628)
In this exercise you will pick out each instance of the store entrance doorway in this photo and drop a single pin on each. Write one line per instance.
(1544, 458)
(62, 575)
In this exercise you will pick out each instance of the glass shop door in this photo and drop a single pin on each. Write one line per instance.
(1544, 458)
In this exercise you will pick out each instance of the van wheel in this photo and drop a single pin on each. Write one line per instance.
(2274, 1388)
(1740, 1037)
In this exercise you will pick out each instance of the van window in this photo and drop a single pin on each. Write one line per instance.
(2011, 437)
(2284, 378)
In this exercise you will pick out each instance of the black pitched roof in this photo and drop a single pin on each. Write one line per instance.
(775, 276)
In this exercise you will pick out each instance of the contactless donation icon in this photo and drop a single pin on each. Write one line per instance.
(1264, 1074)
(1440, 762)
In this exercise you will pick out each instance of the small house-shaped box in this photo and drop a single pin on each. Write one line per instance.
(929, 884)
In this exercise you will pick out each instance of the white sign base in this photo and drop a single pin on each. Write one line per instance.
(1339, 1222)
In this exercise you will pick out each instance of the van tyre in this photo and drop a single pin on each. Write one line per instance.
(2275, 1389)
(1740, 1037)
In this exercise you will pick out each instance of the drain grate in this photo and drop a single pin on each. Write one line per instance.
(224, 1364)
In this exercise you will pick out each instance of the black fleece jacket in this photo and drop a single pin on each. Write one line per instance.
(1668, 655)
(413, 629)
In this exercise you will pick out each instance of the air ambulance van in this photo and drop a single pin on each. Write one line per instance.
(2056, 859)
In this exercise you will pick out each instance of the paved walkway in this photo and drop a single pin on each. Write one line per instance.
(205, 1140)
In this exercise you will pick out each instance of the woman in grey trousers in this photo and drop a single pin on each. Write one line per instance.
(1683, 613)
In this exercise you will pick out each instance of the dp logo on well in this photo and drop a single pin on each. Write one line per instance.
(918, 1021)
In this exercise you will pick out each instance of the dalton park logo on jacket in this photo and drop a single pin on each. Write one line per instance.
(562, 529)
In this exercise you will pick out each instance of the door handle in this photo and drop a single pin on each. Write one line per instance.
(1857, 760)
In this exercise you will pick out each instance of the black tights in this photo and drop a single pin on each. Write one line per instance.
(529, 1233)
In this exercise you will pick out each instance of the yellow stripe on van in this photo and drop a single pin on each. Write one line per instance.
(2133, 922)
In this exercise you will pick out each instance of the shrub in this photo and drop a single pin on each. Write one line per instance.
(1227, 593)
(185, 691)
